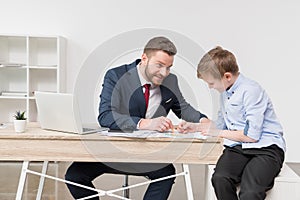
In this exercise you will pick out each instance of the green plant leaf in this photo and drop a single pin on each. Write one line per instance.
(20, 115)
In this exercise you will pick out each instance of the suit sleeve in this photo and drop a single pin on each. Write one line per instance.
(183, 109)
(110, 106)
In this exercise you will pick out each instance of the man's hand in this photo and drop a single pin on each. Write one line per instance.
(160, 124)
(204, 120)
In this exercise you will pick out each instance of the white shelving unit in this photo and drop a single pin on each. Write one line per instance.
(27, 64)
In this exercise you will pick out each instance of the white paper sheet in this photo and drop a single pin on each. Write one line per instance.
(155, 134)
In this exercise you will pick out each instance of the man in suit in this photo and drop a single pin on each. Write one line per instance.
(124, 106)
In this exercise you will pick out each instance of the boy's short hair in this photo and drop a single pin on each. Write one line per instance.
(160, 44)
(217, 62)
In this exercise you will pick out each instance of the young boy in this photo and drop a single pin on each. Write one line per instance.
(253, 137)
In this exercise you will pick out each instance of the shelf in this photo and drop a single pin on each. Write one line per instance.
(30, 67)
(43, 51)
(9, 106)
(11, 67)
(42, 80)
(29, 63)
(13, 79)
(13, 49)
(12, 97)
(43, 67)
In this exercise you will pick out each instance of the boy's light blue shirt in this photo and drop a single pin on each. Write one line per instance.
(246, 106)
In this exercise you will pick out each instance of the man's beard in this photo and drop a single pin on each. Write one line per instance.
(150, 77)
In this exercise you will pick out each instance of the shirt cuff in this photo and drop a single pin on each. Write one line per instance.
(138, 124)
(201, 119)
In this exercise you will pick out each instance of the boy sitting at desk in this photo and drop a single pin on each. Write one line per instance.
(253, 137)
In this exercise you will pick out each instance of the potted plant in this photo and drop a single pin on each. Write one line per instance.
(20, 121)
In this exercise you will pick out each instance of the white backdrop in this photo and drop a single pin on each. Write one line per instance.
(264, 35)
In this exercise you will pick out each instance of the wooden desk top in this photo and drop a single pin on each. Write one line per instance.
(38, 145)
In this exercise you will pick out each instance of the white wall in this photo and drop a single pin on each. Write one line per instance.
(264, 35)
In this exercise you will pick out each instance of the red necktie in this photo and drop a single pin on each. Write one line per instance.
(147, 94)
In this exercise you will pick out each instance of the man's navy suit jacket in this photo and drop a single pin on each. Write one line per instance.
(122, 102)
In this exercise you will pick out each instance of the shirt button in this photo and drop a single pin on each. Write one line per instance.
(231, 124)
(228, 97)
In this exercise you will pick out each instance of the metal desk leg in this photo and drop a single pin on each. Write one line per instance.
(126, 191)
(22, 180)
(188, 183)
(42, 181)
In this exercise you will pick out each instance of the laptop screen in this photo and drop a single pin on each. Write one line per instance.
(58, 111)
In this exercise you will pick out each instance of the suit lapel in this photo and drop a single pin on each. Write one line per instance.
(134, 87)
(166, 95)
(166, 98)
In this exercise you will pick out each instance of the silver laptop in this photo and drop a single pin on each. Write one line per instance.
(60, 112)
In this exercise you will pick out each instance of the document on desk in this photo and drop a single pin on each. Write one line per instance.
(155, 134)
(196, 135)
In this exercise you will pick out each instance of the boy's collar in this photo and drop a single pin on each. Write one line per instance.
(231, 89)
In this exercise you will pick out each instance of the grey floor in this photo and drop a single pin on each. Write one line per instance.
(10, 171)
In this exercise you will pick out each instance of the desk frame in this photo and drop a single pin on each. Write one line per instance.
(43, 175)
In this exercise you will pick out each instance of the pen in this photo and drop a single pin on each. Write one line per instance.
(174, 128)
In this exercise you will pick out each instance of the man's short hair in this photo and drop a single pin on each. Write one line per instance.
(160, 44)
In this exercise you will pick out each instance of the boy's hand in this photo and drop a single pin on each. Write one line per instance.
(205, 126)
(187, 127)
(208, 128)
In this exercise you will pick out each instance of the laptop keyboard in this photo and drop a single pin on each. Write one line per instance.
(87, 129)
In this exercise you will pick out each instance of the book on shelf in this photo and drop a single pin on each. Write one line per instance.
(42, 66)
(13, 93)
(12, 64)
